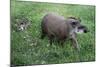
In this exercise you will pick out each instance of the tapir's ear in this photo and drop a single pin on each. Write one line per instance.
(74, 18)
(79, 19)
(71, 17)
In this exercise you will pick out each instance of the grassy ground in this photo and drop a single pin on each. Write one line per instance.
(26, 46)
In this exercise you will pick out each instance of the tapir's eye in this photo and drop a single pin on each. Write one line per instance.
(74, 23)
(21, 23)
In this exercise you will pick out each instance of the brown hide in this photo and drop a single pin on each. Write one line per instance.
(55, 26)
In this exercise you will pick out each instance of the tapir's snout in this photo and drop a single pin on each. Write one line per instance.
(82, 29)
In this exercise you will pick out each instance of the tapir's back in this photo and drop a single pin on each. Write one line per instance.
(55, 25)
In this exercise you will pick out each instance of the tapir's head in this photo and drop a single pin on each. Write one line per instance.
(77, 26)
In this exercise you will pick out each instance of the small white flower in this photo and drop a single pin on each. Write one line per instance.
(31, 44)
(48, 45)
(24, 37)
(43, 62)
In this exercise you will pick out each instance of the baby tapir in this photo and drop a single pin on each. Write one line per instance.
(55, 26)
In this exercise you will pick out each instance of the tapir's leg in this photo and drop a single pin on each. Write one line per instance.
(75, 43)
(43, 35)
(50, 39)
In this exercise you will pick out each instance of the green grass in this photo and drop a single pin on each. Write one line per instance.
(27, 47)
